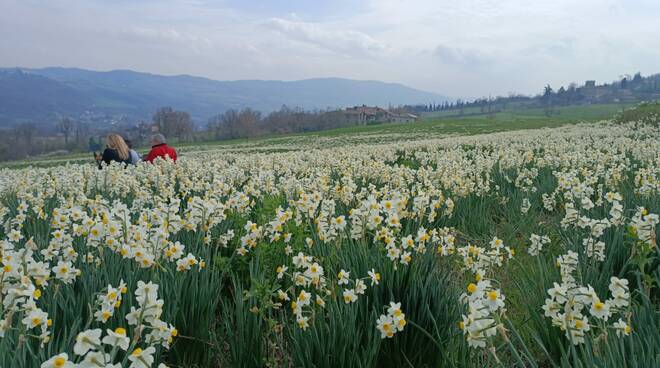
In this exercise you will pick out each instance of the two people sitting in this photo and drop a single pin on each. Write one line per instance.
(120, 150)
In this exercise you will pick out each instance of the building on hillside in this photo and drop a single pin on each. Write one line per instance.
(591, 92)
(366, 114)
(362, 115)
(403, 118)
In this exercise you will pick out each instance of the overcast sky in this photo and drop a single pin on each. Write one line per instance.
(454, 47)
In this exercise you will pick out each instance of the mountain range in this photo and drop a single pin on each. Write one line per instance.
(44, 96)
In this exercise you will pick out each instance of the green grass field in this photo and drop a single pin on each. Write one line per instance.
(513, 112)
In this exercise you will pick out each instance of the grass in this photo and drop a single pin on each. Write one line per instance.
(645, 112)
(513, 112)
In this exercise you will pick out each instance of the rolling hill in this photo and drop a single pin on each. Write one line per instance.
(45, 95)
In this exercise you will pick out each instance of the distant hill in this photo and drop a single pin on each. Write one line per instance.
(45, 95)
(35, 97)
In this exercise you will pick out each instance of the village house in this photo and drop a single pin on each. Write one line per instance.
(362, 115)
(403, 118)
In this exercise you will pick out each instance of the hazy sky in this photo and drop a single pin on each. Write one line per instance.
(454, 47)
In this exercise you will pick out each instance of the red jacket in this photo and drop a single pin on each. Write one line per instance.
(160, 150)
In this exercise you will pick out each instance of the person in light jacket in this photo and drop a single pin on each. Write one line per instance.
(135, 157)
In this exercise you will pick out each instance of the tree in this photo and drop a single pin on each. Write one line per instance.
(25, 132)
(66, 127)
(172, 123)
(562, 96)
(546, 99)
(226, 125)
(17, 142)
(248, 121)
(184, 127)
(82, 132)
(142, 132)
(93, 145)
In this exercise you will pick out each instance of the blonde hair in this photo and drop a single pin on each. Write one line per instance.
(116, 142)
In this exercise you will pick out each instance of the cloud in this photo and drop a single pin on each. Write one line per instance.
(460, 48)
(163, 37)
(465, 58)
(345, 42)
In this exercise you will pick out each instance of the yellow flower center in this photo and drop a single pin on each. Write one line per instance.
(472, 288)
(59, 362)
(137, 352)
(120, 331)
(492, 295)
(599, 306)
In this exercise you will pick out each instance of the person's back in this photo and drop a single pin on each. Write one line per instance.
(116, 151)
(159, 148)
(112, 155)
(134, 156)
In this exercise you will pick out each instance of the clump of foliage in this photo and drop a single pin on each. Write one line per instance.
(646, 112)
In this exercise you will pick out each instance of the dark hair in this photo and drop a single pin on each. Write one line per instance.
(128, 143)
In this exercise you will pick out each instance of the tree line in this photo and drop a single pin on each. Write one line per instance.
(627, 89)
(248, 123)
(71, 135)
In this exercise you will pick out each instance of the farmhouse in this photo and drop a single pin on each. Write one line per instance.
(403, 118)
(366, 114)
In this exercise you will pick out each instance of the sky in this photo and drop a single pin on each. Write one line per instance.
(459, 48)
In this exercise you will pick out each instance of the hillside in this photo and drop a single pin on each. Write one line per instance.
(44, 94)
(37, 98)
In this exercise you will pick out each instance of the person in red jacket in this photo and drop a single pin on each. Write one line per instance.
(159, 148)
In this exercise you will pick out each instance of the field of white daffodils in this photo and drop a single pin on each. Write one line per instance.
(535, 248)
